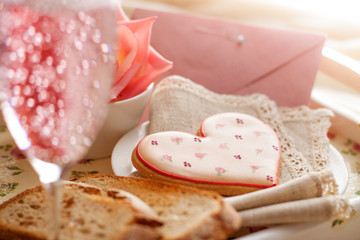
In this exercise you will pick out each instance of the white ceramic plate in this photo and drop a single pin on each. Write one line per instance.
(122, 166)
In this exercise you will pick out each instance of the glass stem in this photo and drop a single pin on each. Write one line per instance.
(53, 193)
(51, 176)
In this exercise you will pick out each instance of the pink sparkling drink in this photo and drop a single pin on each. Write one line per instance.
(56, 71)
(57, 61)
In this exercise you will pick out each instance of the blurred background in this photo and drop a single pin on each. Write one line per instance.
(337, 84)
(338, 19)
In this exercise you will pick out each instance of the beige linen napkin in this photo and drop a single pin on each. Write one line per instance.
(316, 209)
(308, 198)
(312, 185)
(181, 105)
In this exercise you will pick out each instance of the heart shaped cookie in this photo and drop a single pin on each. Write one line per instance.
(233, 154)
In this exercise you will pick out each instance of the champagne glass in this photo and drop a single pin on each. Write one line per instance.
(57, 61)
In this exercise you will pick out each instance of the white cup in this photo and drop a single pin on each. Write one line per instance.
(122, 117)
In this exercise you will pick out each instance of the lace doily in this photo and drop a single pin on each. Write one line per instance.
(181, 105)
(309, 128)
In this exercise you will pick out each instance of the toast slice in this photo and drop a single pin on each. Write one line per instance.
(87, 213)
(186, 212)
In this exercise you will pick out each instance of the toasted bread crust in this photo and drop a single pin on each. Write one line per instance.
(13, 234)
(219, 223)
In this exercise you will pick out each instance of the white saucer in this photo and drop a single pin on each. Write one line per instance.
(122, 166)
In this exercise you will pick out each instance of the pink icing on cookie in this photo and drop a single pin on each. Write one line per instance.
(234, 149)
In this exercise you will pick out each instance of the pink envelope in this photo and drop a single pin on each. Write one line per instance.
(279, 63)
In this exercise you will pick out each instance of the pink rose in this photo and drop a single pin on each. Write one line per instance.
(167, 157)
(200, 155)
(219, 125)
(220, 170)
(138, 63)
(254, 168)
(223, 146)
(176, 140)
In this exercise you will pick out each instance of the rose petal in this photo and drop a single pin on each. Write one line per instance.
(134, 74)
(157, 66)
(142, 31)
(128, 49)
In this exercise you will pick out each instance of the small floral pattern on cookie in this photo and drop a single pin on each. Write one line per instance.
(177, 140)
(200, 155)
(187, 164)
(223, 146)
(258, 151)
(219, 125)
(167, 158)
(254, 168)
(239, 121)
(237, 156)
(220, 171)
(239, 137)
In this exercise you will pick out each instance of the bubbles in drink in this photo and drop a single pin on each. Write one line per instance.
(96, 84)
(78, 44)
(55, 65)
(97, 36)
